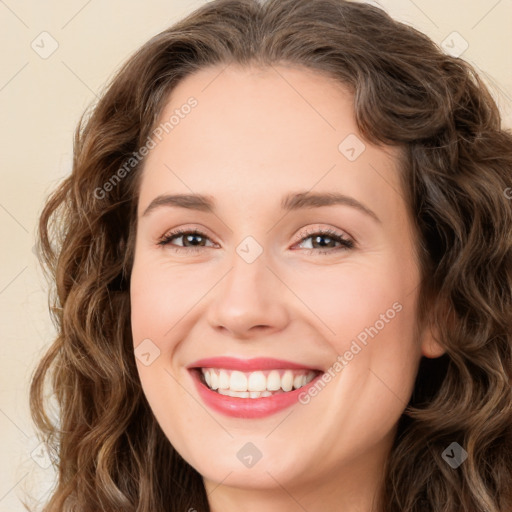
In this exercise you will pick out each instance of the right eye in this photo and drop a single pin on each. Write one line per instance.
(188, 237)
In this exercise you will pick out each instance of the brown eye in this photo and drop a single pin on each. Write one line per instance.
(191, 240)
(319, 238)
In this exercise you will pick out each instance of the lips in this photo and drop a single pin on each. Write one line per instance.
(248, 365)
(251, 388)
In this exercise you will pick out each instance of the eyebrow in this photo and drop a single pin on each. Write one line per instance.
(291, 202)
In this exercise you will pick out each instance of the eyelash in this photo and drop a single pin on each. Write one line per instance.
(333, 235)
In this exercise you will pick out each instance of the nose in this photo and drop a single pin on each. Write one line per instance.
(250, 300)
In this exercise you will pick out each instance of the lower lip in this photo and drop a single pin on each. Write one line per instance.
(248, 407)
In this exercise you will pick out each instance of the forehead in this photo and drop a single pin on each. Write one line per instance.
(257, 129)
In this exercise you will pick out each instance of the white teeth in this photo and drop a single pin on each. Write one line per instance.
(239, 394)
(255, 384)
(214, 380)
(223, 380)
(273, 381)
(238, 381)
(287, 381)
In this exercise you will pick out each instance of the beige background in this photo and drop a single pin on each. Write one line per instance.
(41, 100)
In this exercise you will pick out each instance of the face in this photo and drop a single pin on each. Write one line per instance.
(290, 286)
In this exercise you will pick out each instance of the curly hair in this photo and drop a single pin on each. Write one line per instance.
(455, 168)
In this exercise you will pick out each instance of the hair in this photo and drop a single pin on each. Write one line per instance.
(455, 167)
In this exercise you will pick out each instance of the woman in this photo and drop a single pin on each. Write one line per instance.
(283, 274)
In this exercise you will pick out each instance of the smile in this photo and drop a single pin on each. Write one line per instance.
(251, 388)
(257, 384)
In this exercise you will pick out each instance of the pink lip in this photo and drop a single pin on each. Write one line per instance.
(249, 408)
(248, 365)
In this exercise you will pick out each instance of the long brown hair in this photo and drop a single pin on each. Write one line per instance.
(456, 169)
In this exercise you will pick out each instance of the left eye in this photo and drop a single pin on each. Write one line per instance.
(197, 240)
(188, 237)
(335, 237)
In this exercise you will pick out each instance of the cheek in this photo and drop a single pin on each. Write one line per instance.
(367, 313)
(350, 299)
(160, 295)
(147, 307)
(156, 306)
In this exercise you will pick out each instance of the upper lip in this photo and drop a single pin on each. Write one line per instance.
(247, 365)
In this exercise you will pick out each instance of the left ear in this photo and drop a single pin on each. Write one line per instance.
(430, 346)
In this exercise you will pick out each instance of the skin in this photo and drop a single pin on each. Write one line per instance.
(256, 135)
